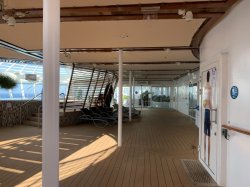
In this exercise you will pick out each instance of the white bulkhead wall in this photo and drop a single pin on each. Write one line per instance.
(232, 36)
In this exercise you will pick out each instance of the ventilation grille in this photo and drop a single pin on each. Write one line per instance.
(197, 173)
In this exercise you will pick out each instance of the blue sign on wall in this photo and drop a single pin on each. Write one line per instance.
(234, 92)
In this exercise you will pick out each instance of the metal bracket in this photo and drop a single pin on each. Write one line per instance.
(225, 133)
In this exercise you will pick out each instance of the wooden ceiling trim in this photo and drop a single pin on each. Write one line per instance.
(168, 70)
(127, 12)
(206, 26)
(205, 5)
(141, 63)
(161, 79)
(128, 49)
(144, 74)
(115, 17)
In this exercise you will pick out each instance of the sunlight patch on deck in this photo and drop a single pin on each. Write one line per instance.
(19, 141)
(77, 162)
(11, 170)
(26, 160)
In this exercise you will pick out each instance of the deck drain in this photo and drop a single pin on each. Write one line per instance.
(197, 173)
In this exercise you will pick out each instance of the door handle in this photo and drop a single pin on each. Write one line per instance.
(215, 118)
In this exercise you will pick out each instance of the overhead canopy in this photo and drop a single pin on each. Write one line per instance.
(152, 33)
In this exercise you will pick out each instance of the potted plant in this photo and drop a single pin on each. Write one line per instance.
(7, 82)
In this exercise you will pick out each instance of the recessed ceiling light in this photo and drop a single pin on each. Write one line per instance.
(124, 36)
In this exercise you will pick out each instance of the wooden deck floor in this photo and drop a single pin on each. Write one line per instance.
(150, 155)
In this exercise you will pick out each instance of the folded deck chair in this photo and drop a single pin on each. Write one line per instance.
(94, 117)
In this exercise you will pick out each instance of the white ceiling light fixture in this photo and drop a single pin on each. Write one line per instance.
(11, 21)
(187, 15)
(182, 12)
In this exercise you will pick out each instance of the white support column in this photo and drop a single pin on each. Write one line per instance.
(50, 119)
(130, 96)
(133, 91)
(120, 100)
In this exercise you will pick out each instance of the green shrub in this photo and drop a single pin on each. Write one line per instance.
(7, 82)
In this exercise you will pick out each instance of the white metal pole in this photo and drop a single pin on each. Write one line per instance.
(141, 98)
(130, 96)
(120, 100)
(50, 119)
(133, 91)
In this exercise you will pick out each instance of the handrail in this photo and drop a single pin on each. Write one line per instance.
(20, 111)
(237, 129)
(39, 108)
(31, 99)
(64, 101)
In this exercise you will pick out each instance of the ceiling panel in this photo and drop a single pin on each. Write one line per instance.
(105, 34)
(140, 33)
